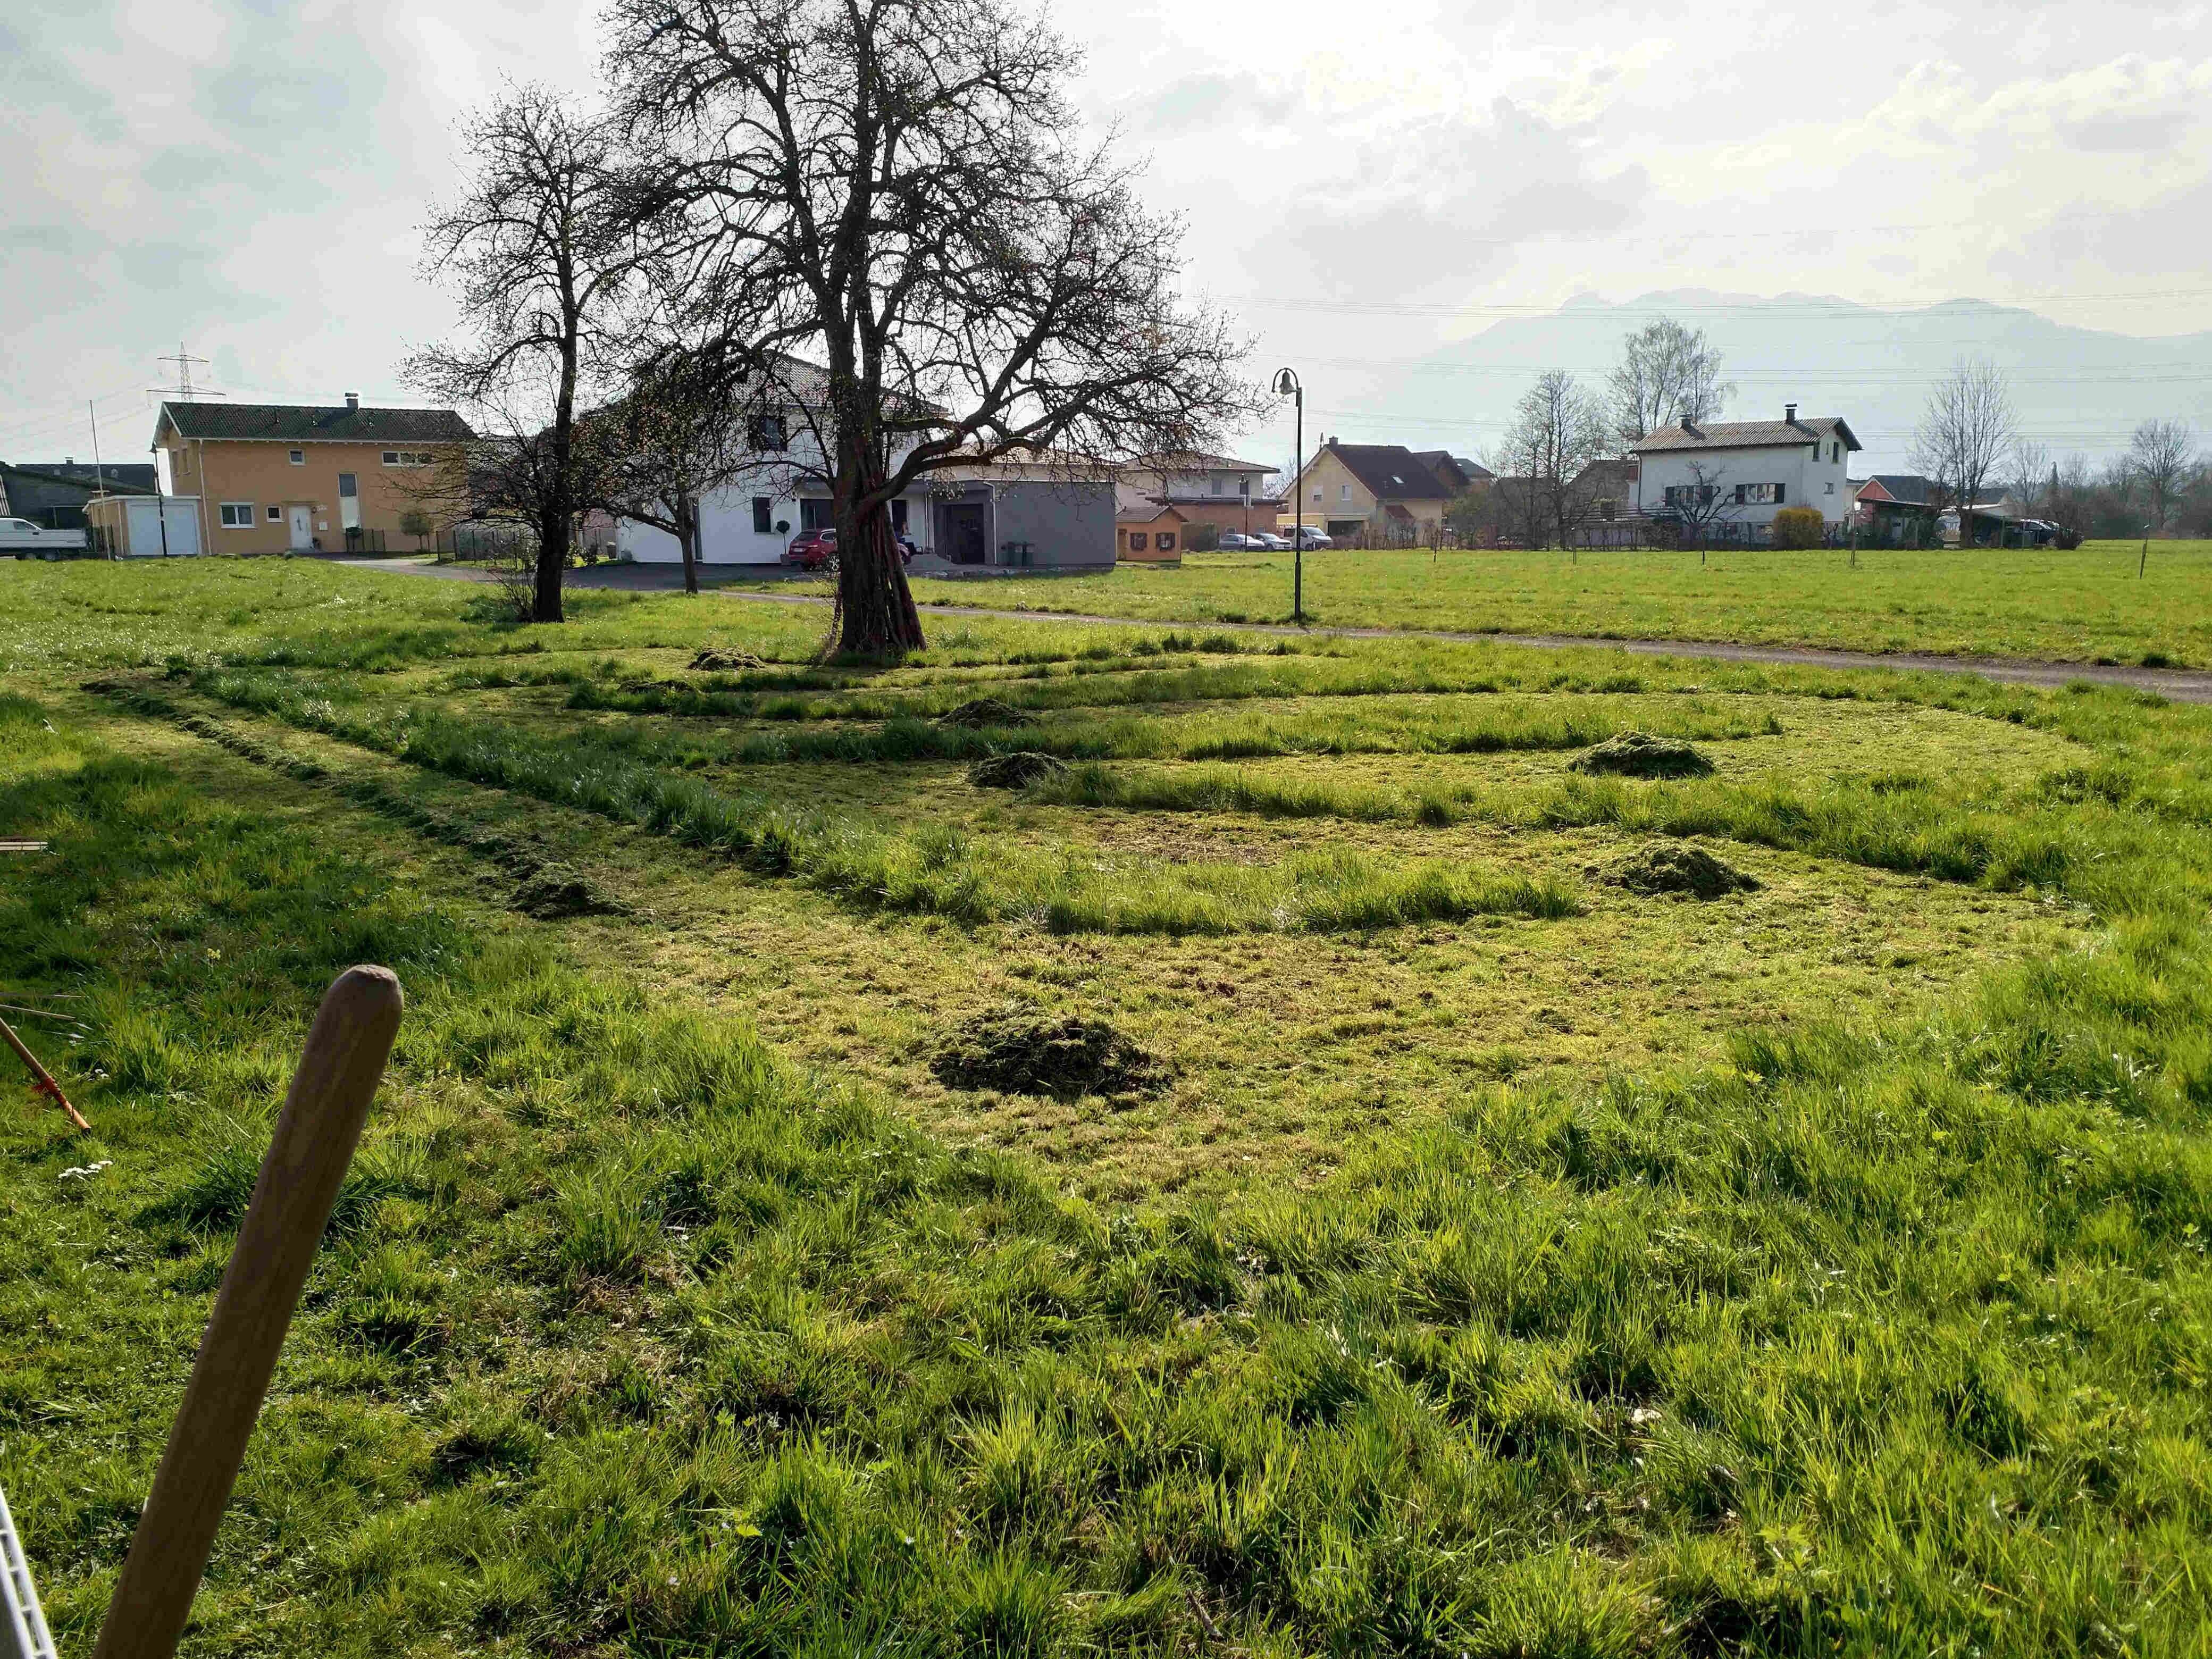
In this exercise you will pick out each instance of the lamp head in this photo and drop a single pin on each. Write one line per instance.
(1285, 382)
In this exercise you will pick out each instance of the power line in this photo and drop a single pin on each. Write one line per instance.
(1764, 308)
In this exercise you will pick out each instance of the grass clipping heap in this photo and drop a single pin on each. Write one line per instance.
(1019, 1048)
(980, 712)
(1676, 867)
(1640, 755)
(1015, 771)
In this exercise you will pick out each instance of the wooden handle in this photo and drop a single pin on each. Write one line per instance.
(300, 1179)
(41, 1080)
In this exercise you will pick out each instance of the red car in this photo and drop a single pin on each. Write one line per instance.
(810, 549)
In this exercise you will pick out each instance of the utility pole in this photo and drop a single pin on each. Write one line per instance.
(1287, 385)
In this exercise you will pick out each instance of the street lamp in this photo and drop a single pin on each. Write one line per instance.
(1286, 385)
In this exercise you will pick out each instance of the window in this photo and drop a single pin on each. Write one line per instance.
(1684, 495)
(276, 515)
(298, 458)
(1836, 451)
(1344, 492)
(898, 513)
(768, 433)
(814, 515)
(238, 515)
(1220, 488)
(408, 458)
(1760, 495)
(1136, 541)
(1166, 541)
(762, 505)
(1831, 486)
(1317, 496)
(348, 485)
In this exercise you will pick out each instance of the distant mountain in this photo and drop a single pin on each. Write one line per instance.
(2075, 388)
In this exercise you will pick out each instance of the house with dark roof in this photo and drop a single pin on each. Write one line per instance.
(1458, 471)
(1383, 493)
(276, 477)
(1754, 469)
(52, 494)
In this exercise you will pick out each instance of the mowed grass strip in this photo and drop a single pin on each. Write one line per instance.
(630, 1339)
(932, 869)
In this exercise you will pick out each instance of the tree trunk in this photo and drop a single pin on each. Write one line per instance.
(877, 607)
(552, 564)
(687, 518)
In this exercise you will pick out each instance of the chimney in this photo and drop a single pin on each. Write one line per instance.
(1691, 427)
(353, 401)
(1788, 414)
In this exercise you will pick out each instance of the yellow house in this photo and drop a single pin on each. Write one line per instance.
(272, 478)
(1382, 493)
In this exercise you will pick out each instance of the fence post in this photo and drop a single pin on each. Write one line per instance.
(306, 1164)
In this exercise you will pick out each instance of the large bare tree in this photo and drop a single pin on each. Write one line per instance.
(2163, 456)
(1965, 434)
(1667, 373)
(1558, 430)
(898, 190)
(542, 251)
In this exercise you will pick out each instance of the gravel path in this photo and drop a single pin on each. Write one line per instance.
(2181, 684)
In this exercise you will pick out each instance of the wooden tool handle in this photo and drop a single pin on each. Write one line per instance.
(300, 1179)
(40, 1079)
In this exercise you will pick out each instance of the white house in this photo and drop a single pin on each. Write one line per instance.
(1754, 469)
(1002, 513)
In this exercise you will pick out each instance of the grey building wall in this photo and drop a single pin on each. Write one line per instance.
(1066, 523)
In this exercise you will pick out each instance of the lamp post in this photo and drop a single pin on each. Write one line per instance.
(1286, 385)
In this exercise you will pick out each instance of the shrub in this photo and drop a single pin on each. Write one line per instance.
(1797, 526)
(416, 522)
(1202, 538)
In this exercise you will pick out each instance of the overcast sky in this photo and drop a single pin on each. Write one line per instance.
(244, 177)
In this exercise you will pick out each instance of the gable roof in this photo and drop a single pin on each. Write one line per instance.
(1454, 470)
(1134, 507)
(1389, 471)
(1749, 434)
(1905, 488)
(1614, 472)
(309, 423)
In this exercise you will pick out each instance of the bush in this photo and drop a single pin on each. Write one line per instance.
(416, 522)
(1798, 526)
(1202, 538)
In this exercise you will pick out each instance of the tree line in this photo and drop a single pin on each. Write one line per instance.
(868, 236)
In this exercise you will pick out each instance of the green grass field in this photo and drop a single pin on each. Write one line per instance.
(2083, 607)
(1497, 1260)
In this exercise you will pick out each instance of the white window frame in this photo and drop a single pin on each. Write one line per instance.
(408, 458)
(1344, 492)
(236, 515)
(297, 457)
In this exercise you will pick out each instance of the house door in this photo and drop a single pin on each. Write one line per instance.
(302, 530)
(964, 533)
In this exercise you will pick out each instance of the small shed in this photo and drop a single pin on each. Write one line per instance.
(1146, 530)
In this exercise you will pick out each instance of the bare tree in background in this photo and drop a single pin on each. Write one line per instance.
(541, 249)
(1965, 434)
(681, 431)
(1667, 373)
(2163, 456)
(900, 188)
(2033, 479)
(1558, 429)
(1701, 506)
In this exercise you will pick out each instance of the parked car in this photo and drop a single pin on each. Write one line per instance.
(1271, 542)
(1235, 541)
(26, 540)
(810, 549)
(1309, 539)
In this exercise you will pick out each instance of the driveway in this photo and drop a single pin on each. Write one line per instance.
(2181, 684)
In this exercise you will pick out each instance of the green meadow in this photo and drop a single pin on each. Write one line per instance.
(1491, 1257)
(2086, 605)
